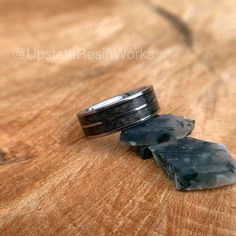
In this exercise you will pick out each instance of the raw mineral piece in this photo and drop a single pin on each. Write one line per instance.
(194, 164)
(159, 129)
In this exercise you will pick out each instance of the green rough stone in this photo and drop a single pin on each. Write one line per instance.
(194, 164)
(157, 130)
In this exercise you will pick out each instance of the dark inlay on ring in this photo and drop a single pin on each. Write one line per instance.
(119, 112)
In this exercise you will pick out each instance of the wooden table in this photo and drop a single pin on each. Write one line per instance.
(58, 57)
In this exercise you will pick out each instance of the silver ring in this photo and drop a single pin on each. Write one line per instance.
(119, 112)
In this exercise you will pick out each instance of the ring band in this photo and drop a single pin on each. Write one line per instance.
(119, 112)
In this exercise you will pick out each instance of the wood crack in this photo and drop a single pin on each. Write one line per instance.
(181, 26)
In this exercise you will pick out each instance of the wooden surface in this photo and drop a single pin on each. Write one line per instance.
(53, 181)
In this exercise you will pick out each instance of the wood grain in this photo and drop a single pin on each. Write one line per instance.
(53, 181)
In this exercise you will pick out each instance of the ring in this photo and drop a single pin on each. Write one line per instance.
(119, 112)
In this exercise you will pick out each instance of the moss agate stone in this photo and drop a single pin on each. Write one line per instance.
(194, 164)
(157, 130)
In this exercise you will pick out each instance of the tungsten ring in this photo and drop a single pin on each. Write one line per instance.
(119, 112)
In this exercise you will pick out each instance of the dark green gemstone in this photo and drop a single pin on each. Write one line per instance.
(157, 130)
(194, 164)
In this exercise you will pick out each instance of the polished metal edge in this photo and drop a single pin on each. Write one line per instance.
(124, 127)
(151, 103)
(140, 92)
(147, 97)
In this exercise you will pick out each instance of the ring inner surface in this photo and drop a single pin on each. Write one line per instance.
(114, 100)
(107, 102)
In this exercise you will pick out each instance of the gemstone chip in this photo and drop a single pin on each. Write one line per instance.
(194, 164)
